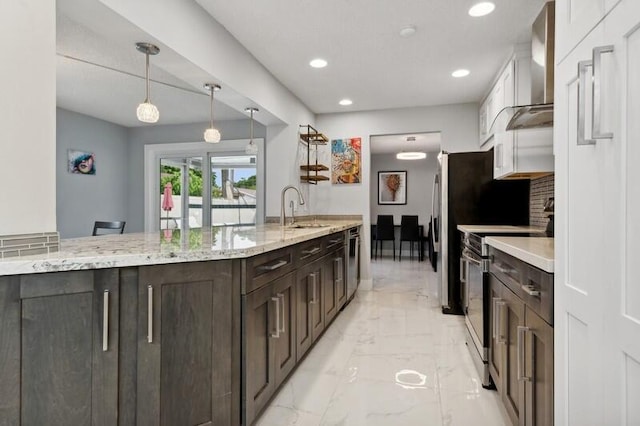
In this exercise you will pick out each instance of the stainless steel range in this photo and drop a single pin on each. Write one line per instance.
(474, 287)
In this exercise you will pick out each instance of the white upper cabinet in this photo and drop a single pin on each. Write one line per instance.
(574, 20)
(502, 94)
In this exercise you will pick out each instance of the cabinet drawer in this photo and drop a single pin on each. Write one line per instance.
(309, 251)
(334, 241)
(266, 267)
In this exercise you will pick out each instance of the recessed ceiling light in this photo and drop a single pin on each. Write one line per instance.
(345, 102)
(481, 9)
(411, 155)
(318, 63)
(460, 73)
(408, 31)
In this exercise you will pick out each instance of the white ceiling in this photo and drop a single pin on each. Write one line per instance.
(392, 144)
(369, 61)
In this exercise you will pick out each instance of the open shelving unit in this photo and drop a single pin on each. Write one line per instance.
(312, 138)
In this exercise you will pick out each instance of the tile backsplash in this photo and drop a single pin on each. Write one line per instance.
(28, 244)
(541, 189)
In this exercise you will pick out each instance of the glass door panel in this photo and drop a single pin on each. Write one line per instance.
(233, 189)
(181, 189)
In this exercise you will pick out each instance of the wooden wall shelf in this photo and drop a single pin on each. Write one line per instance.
(311, 137)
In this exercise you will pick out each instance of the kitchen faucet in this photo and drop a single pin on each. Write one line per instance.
(282, 212)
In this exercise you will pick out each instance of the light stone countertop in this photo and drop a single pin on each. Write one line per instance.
(500, 229)
(136, 249)
(537, 251)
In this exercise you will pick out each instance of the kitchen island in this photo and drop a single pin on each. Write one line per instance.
(193, 328)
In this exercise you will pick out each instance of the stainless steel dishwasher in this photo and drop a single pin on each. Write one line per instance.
(353, 264)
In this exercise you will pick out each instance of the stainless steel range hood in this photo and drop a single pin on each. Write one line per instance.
(540, 112)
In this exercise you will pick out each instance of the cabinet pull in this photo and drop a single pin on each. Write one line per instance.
(336, 241)
(105, 321)
(282, 310)
(500, 336)
(313, 289)
(337, 263)
(311, 252)
(522, 331)
(596, 121)
(277, 333)
(582, 94)
(150, 314)
(273, 266)
(530, 290)
(462, 269)
(498, 156)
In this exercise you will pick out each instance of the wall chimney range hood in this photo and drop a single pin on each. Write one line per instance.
(540, 112)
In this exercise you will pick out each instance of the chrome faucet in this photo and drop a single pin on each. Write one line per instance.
(282, 211)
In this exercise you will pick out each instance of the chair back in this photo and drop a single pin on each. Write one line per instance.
(409, 229)
(385, 227)
(115, 225)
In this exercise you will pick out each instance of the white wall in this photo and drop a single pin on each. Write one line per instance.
(81, 199)
(27, 111)
(458, 125)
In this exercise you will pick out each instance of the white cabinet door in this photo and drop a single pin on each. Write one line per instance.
(580, 238)
(574, 19)
(619, 107)
(482, 120)
(503, 154)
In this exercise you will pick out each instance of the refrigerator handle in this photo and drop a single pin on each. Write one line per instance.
(434, 213)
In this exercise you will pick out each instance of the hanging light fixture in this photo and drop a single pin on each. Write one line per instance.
(212, 135)
(252, 148)
(147, 112)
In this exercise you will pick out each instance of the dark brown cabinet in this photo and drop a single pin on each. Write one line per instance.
(521, 355)
(188, 352)
(335, 290)
(59, 352)
(270, 341)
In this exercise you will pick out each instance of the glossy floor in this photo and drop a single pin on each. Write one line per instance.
(390, 358)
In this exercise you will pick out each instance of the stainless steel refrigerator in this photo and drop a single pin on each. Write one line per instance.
(465, 193)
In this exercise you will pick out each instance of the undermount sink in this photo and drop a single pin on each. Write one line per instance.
(308, 225)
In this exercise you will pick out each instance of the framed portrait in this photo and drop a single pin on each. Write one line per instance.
(392, 187)
(346, 161)
(81, 162)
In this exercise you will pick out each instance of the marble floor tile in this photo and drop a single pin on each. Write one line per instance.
(390, 358)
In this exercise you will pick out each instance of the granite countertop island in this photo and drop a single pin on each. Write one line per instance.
(537, 251)
(169, 246)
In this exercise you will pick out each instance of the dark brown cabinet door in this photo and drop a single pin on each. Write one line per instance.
(187, 319)
(329, 286)
(261, 327)
(284, 290)
(309, 306)
(59, 354)
(512, 383)
(539, 371)
(496, 334)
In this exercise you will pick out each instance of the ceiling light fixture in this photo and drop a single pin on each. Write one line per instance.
(212, 135)
(318, 63)
(345, 102)
(252, 148)
(411, 155)
(460, 73)
(481, 9)
(408, 31)
(147, 112)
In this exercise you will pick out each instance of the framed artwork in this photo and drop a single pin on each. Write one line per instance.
(81, 162)
(346, 161)
(392, 187)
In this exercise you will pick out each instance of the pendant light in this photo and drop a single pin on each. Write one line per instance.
(411, 155)
(252, 148)
(147, 112)
(212, 135)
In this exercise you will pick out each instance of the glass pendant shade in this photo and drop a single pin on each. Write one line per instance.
(148, 113)
(212, 135)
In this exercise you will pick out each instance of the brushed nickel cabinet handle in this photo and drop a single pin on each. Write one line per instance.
(311, 251)
(273, 266)
(500, 336)
(530, 290)
(314, 288)
(277, 333)
(282, 310)
(582, 95)
(522, 331)
(596, 95)
(150, 314)
(105, 321)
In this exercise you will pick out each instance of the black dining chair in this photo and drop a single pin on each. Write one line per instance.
(409, 231)
(385, 232)
(115, 225)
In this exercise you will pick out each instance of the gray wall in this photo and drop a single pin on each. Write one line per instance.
(141, 136)
(80, 199)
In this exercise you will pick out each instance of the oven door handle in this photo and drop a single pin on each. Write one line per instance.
(468, 258)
